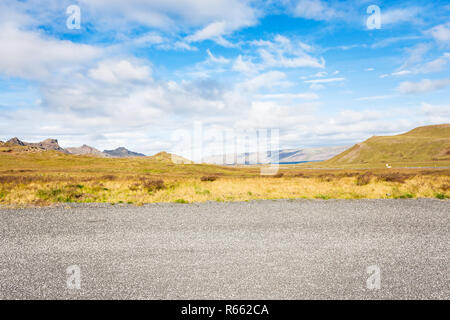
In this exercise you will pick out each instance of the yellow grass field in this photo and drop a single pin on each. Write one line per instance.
(44, 178)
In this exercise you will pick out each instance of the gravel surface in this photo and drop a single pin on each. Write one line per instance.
(280, 249)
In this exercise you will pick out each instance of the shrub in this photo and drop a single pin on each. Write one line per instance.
(405, 196)
(109, 177)
(153, 185)
(181, 201)
(348, 174)
(208, 178)
(363, 179)
(440, 196)
(394, 177)
(326, 177)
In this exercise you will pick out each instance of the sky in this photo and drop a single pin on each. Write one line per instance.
(136, 71)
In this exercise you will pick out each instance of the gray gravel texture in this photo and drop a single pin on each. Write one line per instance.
(283, 249)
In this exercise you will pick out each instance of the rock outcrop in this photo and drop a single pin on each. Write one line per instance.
(123, 153)
(87, 150)
(48, 144)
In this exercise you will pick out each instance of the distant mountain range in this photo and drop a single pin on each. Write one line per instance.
(283, 156)
(123, 153)
(86, 150)
(52, 144)
(422, 144)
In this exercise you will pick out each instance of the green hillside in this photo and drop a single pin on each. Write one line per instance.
(429, 144)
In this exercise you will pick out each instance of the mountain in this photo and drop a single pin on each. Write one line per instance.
(284, 156)
(422, 144)
(310, 154)
(86, 150)
(48, 144)
(123, 153)
(15, 142)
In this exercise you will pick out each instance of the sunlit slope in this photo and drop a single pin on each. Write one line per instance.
(429, 144)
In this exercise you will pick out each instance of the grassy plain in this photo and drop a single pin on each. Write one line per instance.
(44, 178)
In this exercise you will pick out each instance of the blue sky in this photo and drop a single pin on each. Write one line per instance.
(138, 70)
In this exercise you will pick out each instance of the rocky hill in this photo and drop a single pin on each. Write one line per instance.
(48, 144)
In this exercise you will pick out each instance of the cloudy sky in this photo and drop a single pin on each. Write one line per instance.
(138, 70)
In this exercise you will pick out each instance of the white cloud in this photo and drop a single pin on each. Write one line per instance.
(417, 67)
(320, 74)
(289, 96)
(270, 114)
(436, 110)
(116, 72)
(436, 113)
(400, 15)
(423, 86)
(415, 55)
(211, 31)
(215, 31)
(436, 65)
(285, 53)
(373, 98)
(31, 55)
(441, 32)
(266, 81)
(150, 38)
(401, 73)
(389, 41)
(244, 66)
(351, 116)
(216, 59)
(316, 86)
(173, 15)
(415, 64)
(314, 9)
(281, 52)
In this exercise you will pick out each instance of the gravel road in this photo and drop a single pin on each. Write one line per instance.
(254, 250)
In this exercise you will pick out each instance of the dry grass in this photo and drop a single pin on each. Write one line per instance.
(363, 179)
(36, 179)
(32, 190)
